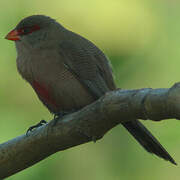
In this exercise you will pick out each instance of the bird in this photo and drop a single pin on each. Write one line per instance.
(68, 72)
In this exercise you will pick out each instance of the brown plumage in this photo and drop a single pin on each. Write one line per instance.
(68, 71)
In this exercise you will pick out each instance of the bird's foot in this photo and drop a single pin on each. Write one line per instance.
(60, 115)
(41, 123)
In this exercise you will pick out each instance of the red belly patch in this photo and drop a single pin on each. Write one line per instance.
(43, 93)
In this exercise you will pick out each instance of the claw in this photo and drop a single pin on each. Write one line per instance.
(42, 122)
(61, 114)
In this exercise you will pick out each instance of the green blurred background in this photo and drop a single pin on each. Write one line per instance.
(142, 39)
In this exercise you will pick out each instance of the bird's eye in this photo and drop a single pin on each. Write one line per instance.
(26, 30)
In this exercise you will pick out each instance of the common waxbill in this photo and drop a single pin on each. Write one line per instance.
(68, 71)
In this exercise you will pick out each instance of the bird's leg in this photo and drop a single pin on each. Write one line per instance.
(60, 115)
(42, 122)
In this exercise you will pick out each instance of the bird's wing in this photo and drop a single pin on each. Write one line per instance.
(91, 68)
(89, 65)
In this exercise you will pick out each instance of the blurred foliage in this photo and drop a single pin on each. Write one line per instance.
(141, 38)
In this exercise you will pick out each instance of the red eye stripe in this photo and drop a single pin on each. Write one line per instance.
(28, 29)
(35, 28)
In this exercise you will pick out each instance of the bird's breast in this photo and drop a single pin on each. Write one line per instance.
(57, 87)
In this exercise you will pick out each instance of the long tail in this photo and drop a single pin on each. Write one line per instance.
(147, 140)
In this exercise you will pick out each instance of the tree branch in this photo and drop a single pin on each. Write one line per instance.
(90, 123)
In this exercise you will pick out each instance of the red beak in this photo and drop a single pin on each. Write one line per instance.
(13, 35)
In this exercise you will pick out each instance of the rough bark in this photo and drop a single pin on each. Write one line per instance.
(90, 123)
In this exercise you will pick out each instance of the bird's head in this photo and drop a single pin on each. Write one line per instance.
(34, 30)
